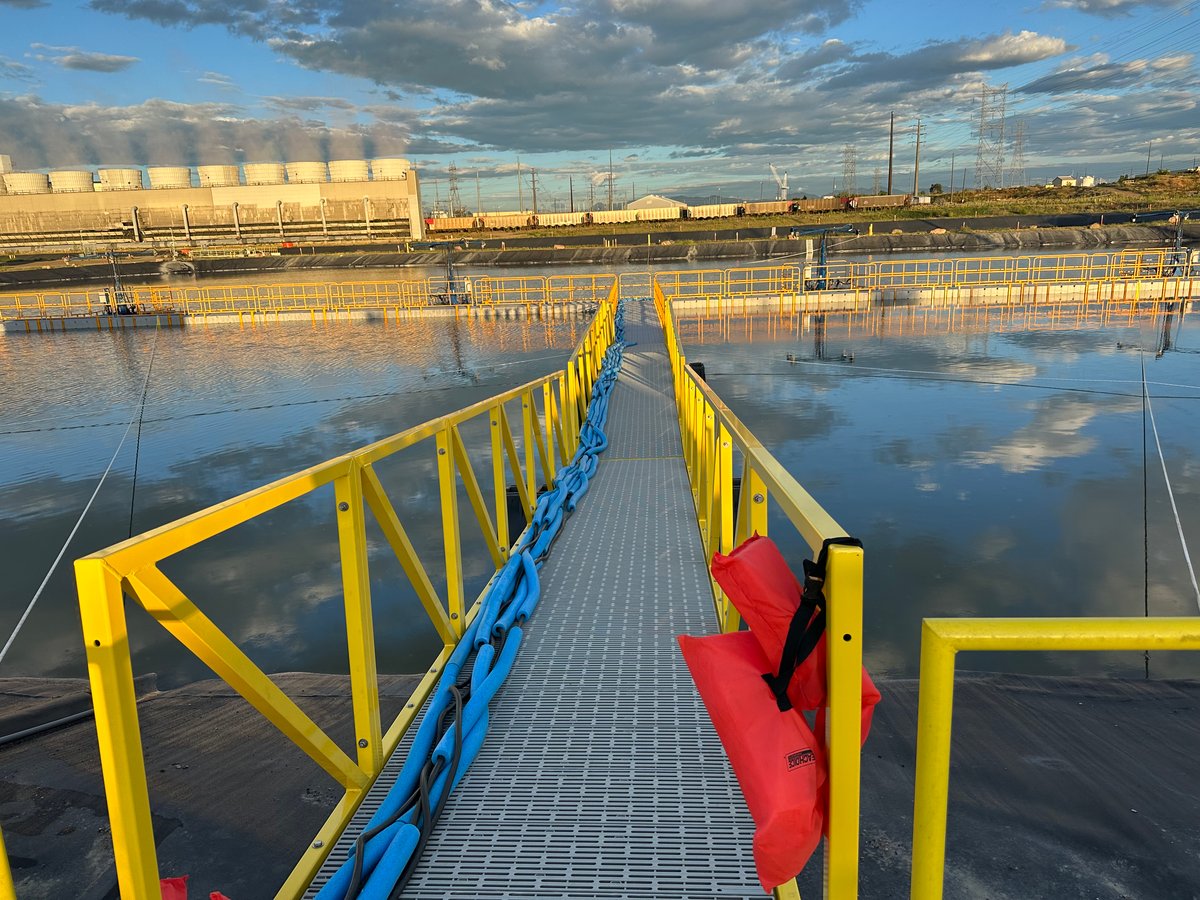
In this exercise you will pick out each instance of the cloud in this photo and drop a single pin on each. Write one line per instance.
(24, 4)
(219, 79)
(83, 60)
(12, 70)
(308, 104)
(933, 63)
(1107, 76)
(1109, 9)
(162, 132)
(696, 79)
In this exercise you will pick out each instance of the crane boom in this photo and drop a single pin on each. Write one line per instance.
(782, 194)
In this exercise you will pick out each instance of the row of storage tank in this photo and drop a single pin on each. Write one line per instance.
(70, 181)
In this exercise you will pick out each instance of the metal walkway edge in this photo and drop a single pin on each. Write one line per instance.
(601, 775)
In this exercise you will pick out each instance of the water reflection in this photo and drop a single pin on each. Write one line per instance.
(228, 409)
(990, 460)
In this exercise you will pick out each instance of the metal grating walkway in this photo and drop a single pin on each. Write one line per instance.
(601, 775)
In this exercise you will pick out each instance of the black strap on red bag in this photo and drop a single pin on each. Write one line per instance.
(806, 627)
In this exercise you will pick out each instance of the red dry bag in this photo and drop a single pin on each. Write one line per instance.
(775, 756)
(757, 580)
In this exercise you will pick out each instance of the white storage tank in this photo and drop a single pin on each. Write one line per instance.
(27, 183)
(169, 177)
(71, 181)
(218, 176)
(390, 169)
(307, 172)
(121, 179)
(264, 173)
(348, 170)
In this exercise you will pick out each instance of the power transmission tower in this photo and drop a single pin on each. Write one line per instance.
(875, 184)
(1016, 171)
(917, 160)
(849, 169)
(456, 204)
(989, 160)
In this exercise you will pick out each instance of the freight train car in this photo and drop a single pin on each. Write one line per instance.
(527, 220)
(712, 211)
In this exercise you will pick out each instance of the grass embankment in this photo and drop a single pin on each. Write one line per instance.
(1158, 192)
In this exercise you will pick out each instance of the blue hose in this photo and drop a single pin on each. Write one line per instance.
(437, 759)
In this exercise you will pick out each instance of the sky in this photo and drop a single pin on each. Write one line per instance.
(691, 97)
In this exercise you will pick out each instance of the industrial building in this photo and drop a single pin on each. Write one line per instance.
(258, 202)
(654, 201)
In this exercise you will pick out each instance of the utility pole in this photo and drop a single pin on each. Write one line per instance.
(951, 174)
(891, 145)
(917, 163)
(520, 189)
(478, 204)
(533, 181)
(1149, 144)
(571, 183)
(610, 180)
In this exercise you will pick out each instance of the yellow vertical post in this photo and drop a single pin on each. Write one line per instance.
(844, 596)
(360, 629)
(448, 487)
(710, 474)
(729, 618)
(934, 709)
(548, 410)
(8, 890)
(499, 482)
(110, 672)
(529, 439)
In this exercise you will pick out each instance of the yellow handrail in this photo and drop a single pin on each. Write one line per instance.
(227, 299)
(549, 438)
(941, 639)
(711, 433)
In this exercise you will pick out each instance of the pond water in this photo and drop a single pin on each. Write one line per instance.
(992, 464)
(228, 409)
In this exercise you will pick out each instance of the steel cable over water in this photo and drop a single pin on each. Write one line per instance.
(455, 722)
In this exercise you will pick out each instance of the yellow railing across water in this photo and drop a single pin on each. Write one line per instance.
(712, 435)
(549, 437)
(1119, 275)
(291, 297)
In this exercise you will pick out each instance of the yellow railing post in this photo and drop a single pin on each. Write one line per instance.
(8, 890)
(529, 440)
(360, 629)
(844, 599)
(451, 539)
(110, 671)
(499, 482)
(934, 708)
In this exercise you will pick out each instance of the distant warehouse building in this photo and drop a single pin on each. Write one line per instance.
(654, 201)
(275, 202)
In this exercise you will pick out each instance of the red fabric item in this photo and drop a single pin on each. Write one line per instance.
(757, 580)
(217, 895)
(777, 760)
(173, 888)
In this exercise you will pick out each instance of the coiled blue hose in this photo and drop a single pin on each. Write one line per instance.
(441, 751)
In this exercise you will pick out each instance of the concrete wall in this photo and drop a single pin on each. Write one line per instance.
(388, 201)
